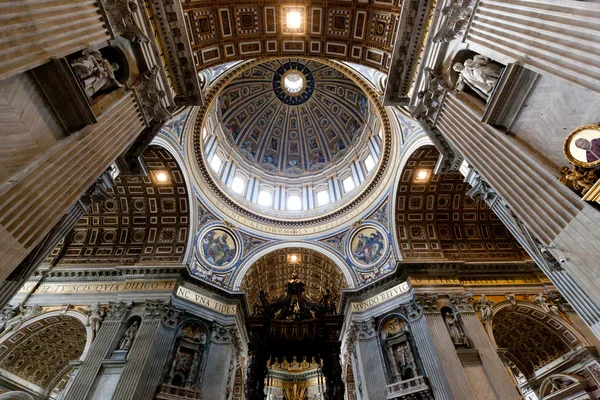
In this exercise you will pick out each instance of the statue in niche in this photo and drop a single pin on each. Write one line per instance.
(95, 71)
(479, 73)
(455, 329)
(405, 361)
(128, 337)
(7, 314)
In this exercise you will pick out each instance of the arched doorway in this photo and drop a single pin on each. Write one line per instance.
(294, 344)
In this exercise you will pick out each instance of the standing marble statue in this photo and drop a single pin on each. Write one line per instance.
(479, 73)
(455, 329)
(95, 72)
(128, 337)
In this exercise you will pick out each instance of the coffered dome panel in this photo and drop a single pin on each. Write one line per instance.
(292, 133)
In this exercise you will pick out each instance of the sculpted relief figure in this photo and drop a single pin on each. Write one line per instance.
(25, 313)
(479, 73)
(96, 317)
(95, 72)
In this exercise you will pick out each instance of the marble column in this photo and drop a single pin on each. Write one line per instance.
(553, 215)
(146, 348)
(432, 366)
(444, 346)
(556, 37)
(492, 364)
(215, 376)
(38, 196)
(368, 363)
(103, 343)
(34, 31)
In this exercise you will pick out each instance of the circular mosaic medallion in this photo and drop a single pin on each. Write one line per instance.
(368, 246)
(293, 83)
(218, 247)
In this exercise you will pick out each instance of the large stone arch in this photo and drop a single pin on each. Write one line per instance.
(146, 220)
(528, 332)
(435, 219)
(36, 356)
(271, 269)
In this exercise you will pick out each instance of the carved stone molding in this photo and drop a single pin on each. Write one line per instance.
(118, 311)
(149, 97)
(412, 311)
(455, 19)
(120, 15)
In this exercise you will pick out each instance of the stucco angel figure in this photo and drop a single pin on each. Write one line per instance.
(25, 313)
(484, 306)
(541, 299)
(95, 317)
(128, 337)
(479, 73)
(96, 72)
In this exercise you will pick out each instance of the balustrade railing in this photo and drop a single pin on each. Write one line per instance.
(169, 392)
(409, 386)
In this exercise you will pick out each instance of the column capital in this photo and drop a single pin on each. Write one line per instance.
(155, 310)
(462, 302)
(362, 330)
(427, 303)
(118, 311)
(171, 316)
(222, 334)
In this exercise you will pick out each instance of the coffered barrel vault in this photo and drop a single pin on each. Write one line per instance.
(352, 31)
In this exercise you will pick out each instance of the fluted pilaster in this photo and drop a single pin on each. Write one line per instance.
(457, 379)
(556, 37)
(90, 367)
(35, 200)
(34, 31)
(502, 384)
(432, 365)
(369, 363)
(214, 380)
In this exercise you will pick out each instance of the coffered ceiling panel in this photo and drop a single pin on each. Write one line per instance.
(146, 220)
(436, 220)
(359, 31)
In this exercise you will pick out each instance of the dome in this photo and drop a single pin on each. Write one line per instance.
(292, 135)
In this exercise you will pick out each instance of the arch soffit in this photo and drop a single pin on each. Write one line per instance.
(346, 270)
(419, 140)
(379, 180)
(168, 146)
(79, 316)
(565, 326)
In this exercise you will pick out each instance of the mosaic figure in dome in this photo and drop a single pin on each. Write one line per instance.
(368, 247)
(219, 248)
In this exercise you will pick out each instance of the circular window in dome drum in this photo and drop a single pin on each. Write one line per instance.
(293, 83)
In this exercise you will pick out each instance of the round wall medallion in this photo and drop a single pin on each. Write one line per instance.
(293, 83)
(218, 247)
(582, 146)
(368, 246)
